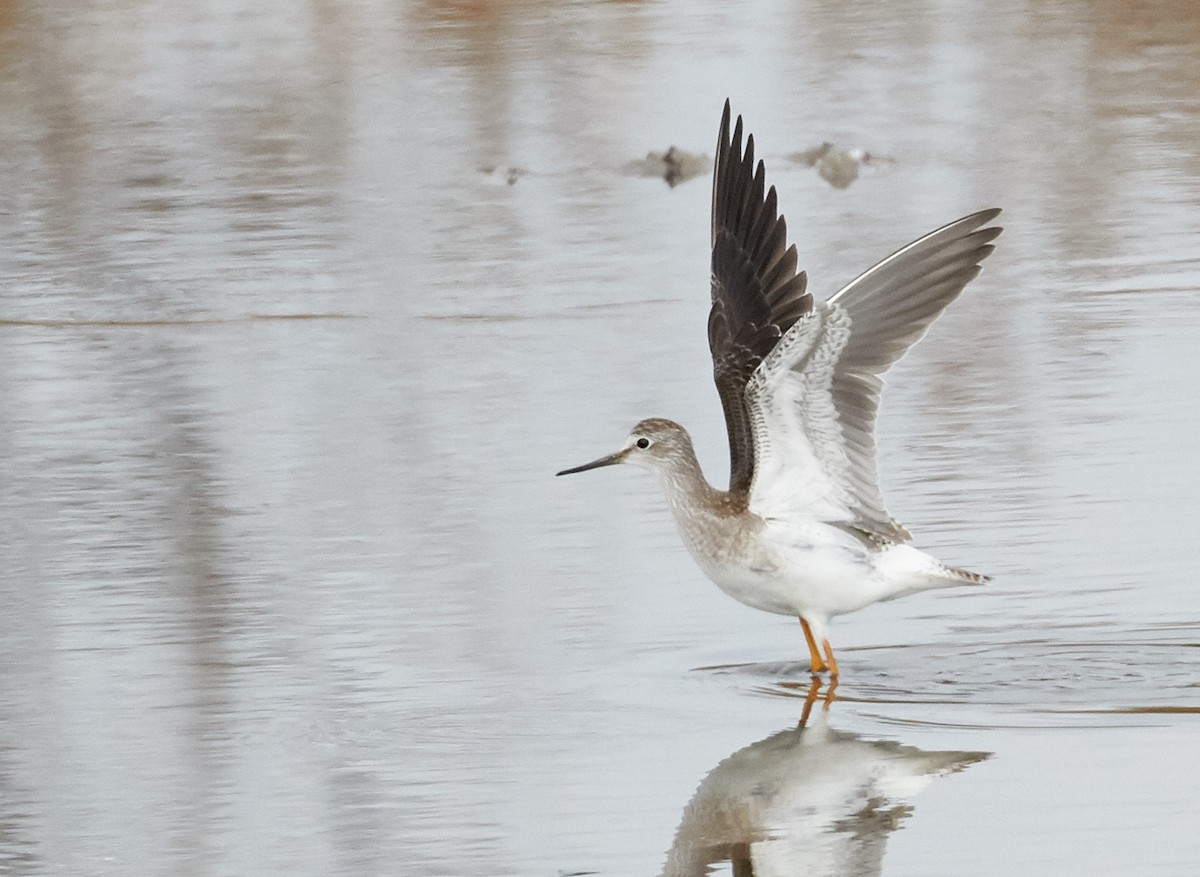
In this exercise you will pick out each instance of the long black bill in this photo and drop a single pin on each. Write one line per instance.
(610, 460)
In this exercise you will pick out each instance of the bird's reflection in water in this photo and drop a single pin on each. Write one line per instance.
(811, 800)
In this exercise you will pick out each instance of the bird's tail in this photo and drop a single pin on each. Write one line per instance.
(964, 576)
(910, 570)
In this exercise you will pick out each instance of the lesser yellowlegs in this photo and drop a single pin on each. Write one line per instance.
(802, 529)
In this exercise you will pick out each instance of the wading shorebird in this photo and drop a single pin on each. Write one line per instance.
(802, 529)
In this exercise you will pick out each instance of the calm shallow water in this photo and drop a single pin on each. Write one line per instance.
(286, 366)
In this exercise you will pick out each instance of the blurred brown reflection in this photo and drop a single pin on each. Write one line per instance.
(142, 165)
(38, 45)
(1145, 23)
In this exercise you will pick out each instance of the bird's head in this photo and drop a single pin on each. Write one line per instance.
(653, 444)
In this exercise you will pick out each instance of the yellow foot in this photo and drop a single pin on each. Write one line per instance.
(833, 670)
(818, 663)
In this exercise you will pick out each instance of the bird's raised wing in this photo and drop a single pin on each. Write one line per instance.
(814, 398)
(757, 295)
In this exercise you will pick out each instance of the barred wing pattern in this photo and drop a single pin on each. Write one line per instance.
(813, 400)
(757, 295)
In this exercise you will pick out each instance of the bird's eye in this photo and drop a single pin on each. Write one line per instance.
(643, 443)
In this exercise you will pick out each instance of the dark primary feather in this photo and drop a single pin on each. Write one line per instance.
(757, 294)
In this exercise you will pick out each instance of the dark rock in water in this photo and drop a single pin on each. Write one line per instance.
(509, 175)
(838, 167)
(675, 166)
(810, 157)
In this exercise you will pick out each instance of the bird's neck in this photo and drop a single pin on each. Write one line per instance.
(691, 498)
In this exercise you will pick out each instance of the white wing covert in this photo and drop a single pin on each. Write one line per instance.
(813, 400)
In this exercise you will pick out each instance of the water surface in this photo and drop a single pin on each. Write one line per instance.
(301, 309)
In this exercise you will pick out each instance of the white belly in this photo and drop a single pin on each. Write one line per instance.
(822, 582)
(815, 570)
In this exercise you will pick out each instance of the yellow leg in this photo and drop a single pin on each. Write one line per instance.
(809, 700)
(833, 671)
(818, 663)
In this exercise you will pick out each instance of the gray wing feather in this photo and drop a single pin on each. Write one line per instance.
(815, 398)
